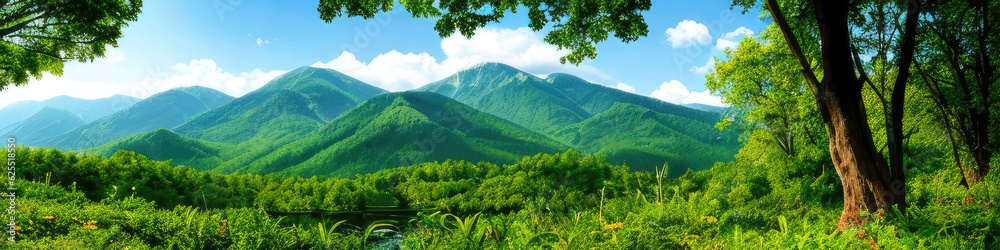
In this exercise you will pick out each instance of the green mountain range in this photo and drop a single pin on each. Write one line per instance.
(313, 121)
(294, 103)
(511, 94)
(86, 110)
(45, 123)
(401, 129)
(644, 133)
(163, 110)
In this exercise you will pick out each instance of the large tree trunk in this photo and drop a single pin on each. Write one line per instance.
(863, 172)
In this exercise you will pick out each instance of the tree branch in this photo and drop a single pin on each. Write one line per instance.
(793, 44)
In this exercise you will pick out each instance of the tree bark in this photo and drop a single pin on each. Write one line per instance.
(867, 183)
(898, 96)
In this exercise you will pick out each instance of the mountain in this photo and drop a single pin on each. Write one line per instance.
(210, 97)
(401, 129)
(163, 144)
(645, 131)
(87, 110)
(511, 94)
(642, 138)
(163, 110)
(706, 107)
(295, 102)
(596, 98)
(45, 123)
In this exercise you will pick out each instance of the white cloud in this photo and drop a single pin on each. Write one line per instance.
(260, 41)
(732, 39)
(739, 32)
(393, 71)
(625, 87)
(202, 72)
(520, 48)
(688, 33)
(205, 72)
(704, 69)
(675, 92)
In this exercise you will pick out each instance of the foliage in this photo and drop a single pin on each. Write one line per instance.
(37, 36)
(577, 25)
(729, 206)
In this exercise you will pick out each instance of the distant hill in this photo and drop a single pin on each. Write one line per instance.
(401, 129)
(643, 138)
(511, 94)
(706, 107)
(210, 97)
(163, 110)
(576, 112)
(253, 125)
(296, 102)
(162, 144)
(595, 98)
(46, 123)
(87, 110)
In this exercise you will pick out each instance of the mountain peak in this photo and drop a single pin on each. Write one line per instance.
(493, 67)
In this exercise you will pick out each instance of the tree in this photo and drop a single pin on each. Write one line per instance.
(578, 25)
(760, 83)
(958, 67)
(38, 36)
(868, 181)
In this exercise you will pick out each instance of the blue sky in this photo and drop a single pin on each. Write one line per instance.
(236, 46)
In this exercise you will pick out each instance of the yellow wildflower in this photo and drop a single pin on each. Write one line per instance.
(709, 219)
(49, 217)
(90, 225)
(613, 226)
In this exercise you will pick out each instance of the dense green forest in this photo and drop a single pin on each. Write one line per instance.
(565, 201)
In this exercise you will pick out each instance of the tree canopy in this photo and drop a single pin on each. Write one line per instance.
(38, 36)
(578, 25)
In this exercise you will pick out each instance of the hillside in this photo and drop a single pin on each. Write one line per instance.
(87, 110)
(595, 98)
(642, 139)
(162, 144)
(163, 110)
(511, 94)
(45, 123)
(302, 99)
(210, 97)
(706, 107)
(578, 113)
(401, 129)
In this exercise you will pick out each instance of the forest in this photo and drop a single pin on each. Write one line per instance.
(565, 201)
